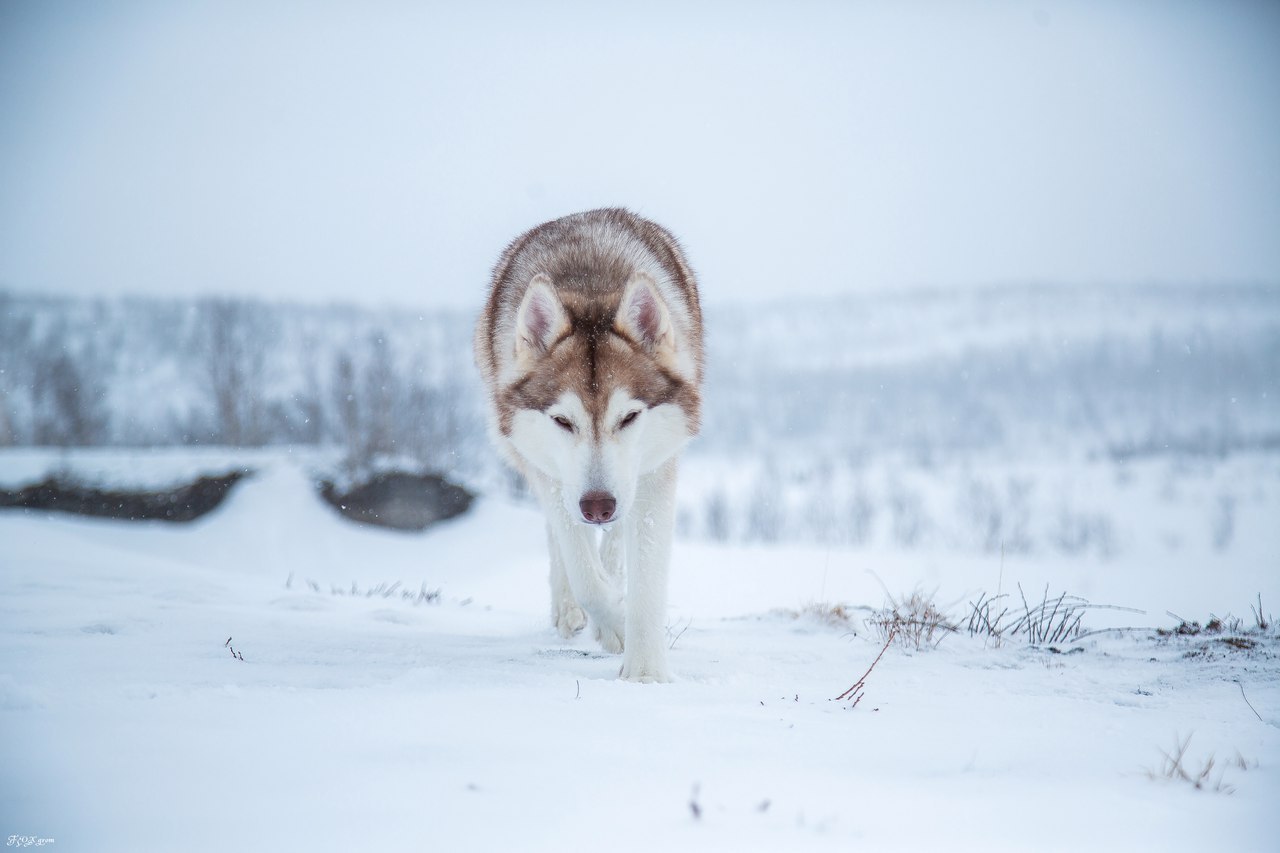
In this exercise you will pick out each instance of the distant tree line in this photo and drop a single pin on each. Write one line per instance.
(1013, 371)
(240, 373)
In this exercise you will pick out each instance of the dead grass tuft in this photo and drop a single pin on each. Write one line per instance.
(1175, 768)
(1054, 619)
(421, 595)
(1224, 633)
(835, 615)
(914, 621)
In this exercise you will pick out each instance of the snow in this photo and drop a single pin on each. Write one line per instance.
(122, 468)
(386, 722)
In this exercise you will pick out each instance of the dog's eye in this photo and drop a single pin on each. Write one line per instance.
(563, 422)
(629, 419)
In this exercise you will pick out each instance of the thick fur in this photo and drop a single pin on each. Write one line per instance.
(591, 351)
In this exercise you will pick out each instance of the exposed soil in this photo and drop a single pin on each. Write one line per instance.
(182, 503)
(400, 500)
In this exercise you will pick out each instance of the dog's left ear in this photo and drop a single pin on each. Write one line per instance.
(643, 316)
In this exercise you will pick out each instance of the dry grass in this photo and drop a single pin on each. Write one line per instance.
(915, 621)
(1224, 634)
(835, 615)
(1262, 622)
(1175, 768)
(422, 595)
(1054, 619)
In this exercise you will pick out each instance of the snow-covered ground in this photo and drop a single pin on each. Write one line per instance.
(395, 719)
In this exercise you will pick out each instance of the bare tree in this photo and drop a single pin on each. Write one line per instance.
(310, 402)
(379, 398)
(70, 406)
(233, 341)
(861, 514)
(347, 406)
(716, 510)
(7, 434)
(15, 334)
(766, 514)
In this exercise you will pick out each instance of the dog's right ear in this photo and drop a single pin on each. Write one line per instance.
(540, 320)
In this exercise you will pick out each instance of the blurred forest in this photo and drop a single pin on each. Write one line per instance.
(816, 392)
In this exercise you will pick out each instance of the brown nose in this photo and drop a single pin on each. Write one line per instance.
(597, 507)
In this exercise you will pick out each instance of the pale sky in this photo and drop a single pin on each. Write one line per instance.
(386, 152)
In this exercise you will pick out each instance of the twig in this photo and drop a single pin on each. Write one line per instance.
(1262, 622)
(677, 637)
(1114, 607)
(1247, 702)
(1097, 631)
(1053, 615)
(861, 682)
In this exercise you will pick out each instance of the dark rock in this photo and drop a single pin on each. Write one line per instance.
(400, 500)
(182, 503)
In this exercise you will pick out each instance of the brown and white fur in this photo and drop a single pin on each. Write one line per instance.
(590, 348)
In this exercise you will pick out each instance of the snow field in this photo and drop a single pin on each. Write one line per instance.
(384, 722)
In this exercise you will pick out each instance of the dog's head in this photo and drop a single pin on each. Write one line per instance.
(607, 390)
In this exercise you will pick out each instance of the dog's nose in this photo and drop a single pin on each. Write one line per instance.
(597, 507)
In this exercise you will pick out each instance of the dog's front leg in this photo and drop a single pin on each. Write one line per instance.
(648, 546)
(566, 615)
(579, 564)
(590, 586)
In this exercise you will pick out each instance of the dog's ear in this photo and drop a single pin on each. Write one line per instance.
(540, 320)
(643, 316)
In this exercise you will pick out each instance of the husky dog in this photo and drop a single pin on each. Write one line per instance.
(591, 351)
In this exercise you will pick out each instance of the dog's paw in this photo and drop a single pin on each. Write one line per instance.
(609, 635)
(569, 619)
(645, 671)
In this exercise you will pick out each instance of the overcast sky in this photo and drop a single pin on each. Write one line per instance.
(385, 152)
